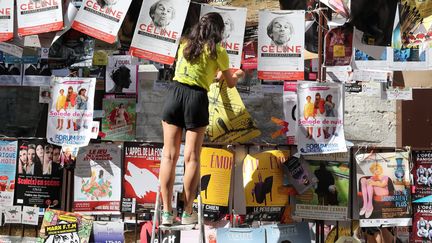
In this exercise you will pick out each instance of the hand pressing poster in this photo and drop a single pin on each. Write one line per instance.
(6, 20)
(233, 34)
(158, 30)
(35, 16)
(280, 45)
(101, 19)
(320, 118)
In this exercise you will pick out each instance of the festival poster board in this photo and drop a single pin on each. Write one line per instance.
(70, 113)
(229, 121)
(6, 20)
(12, 214)
(121, 75)
(290, 110)
(283, 233)
(97, 179)
(101, 19)
(66, 226)
(158, 30)
(39, 175)
(233, 34)
(119, 122)
(35, 17)
(244, 235)
(262, 180)
(330, 198)
(320, 118)
(421, 230)
(30, 215)
(281, 43)
(104, 231)
(8, 160)
(141, 163)
(383, 189)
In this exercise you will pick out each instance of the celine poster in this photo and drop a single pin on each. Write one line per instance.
(119, 121)
(39, 175)
(158, 30)
(290, 110)
(422, 173)
(121, 75)
(8, 160)
(281, 45)
(383, 188)
(97, 179)
(6, 20)
(262, 178)
(70, 113)
(35, 17)
(421, 225)
(141, 163)
(320, 116)
(101, 19)
(233, 35)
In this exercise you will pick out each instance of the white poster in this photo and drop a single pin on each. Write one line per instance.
(35, 16)
(30, 215)
(101, 19)
(320, 118)
(281, 44)
(158, 30)
(6, 20)
(290, 113)
(12, 214)
(8, 160)
(70, 113)
(233, 35)
(121, 75)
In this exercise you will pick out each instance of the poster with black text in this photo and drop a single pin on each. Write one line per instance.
(121, 75)
(6, 20)
(35, 16)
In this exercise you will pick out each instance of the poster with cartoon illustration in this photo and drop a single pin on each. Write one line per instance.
(8, 160)
(121, 75)
(6, 20)
(422, 173)
(383, 188)
(97, 179)
(70, 114)
(320, 118)
(12, 214)
(30, 215)
(262, 178)
(141, 163)
(35, 17)
(119, 122)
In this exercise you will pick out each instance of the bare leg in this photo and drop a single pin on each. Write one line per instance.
(194, 140)
(172, 140)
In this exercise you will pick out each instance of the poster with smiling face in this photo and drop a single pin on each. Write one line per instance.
(158, 30)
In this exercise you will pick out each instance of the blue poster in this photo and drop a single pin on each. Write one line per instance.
(8, 158)
(244, 235)
(298, 233)
(108, 232)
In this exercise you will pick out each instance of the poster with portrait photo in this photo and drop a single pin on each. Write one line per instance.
(320, 118)
(101, 19)
(39, 175)
(38, 74)
(422, 222)
(281, 45)
(121, 75)
(10, 74)
(70, 112)
(35, 16)
(158, 31)
(6, 20)
(233, 34)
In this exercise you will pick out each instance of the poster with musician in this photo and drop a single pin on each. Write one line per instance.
(35, 17)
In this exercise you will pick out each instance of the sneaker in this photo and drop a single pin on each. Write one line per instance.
(167, 218)
(189, 218)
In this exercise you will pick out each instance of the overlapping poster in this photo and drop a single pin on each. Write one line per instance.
(229, 121)
(35, 17)
(383, 189)
(329, 199)
(283, 233)
(262, 178)
(10, 74)
(39, 175)
(105, 231)
(30, 215)
(6, 20)
(119, 122)
(320, 116)
(422, 173)
(38, 74)
(339, 46)
(121, 75)
(101, 19)
(141, 164)
(158, 30)
(70, 114)
(97, 179)
(8, 160)
(12, 214)
(233, 34)
(421, 226)
(281, 45)
(244, 235)
(290, 110)
(61, 226)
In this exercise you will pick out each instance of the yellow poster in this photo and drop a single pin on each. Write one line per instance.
(263, 178)
(229, 120)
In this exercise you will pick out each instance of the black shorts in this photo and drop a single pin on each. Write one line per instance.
(186, 106)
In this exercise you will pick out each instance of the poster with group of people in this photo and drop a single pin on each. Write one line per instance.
(422, 173)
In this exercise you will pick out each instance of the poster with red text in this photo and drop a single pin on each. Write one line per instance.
(70, 113)
(141, 164)
(6, 20)
(101, 19)
(280, 45)
(320, 118)
(97, 179)
(35, 16)
(233, 34)
(158, 30)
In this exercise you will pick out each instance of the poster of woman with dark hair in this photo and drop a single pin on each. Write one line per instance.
(121, 75)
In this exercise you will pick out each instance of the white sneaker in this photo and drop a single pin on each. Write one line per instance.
(189, 218)
(167, 218)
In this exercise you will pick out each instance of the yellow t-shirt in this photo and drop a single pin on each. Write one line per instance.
(203, 70)
(308, 110)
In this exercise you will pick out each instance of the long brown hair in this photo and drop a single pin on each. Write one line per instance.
(207, 32)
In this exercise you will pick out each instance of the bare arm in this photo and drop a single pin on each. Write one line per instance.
(231, 79)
